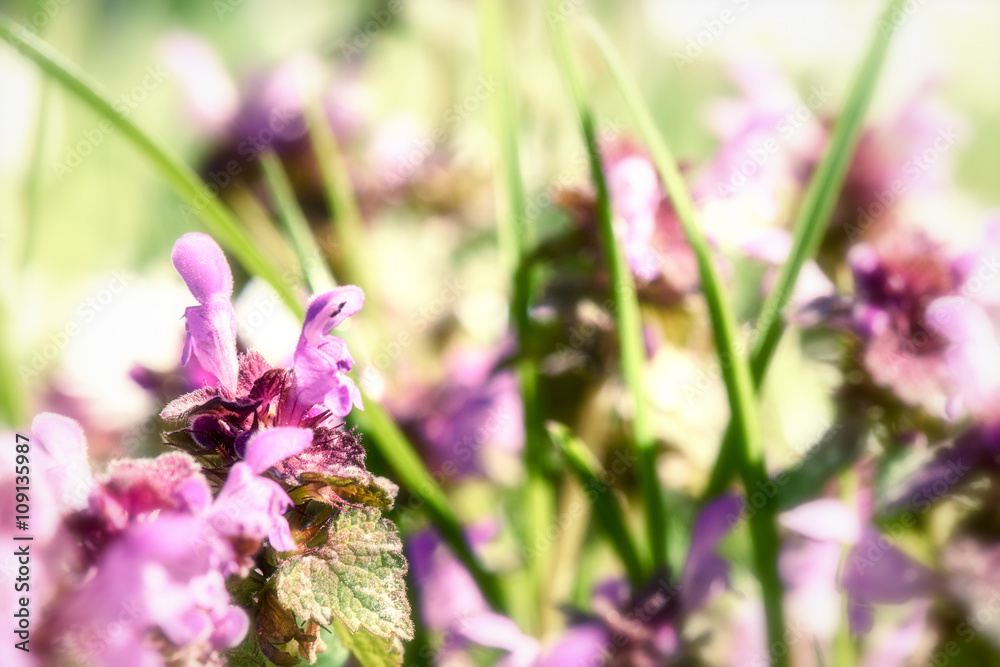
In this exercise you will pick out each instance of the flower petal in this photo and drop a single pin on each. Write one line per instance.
(276, 444)
(203, 266)
(327, 311)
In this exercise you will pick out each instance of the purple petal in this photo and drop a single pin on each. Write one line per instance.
(276, 444)
(876, 572)
(974, 358)
(212, 338)
(327, 311)
(203, 266)
(704, 572)
(827, 520)
(582, 645)
(66, 466)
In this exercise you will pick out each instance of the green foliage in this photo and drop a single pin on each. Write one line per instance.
(356, 577)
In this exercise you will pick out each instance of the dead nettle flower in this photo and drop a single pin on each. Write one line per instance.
(146, 550)
(644, 221)
(896, 278)
(645, 628)
(287, 423)
(875, 571)
(471, 422)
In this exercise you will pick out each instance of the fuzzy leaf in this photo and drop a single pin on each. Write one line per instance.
(377, 492)
(356, 577)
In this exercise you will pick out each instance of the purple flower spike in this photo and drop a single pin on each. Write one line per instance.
(321, 360)
(211, 327)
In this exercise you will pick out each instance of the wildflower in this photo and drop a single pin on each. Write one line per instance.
(896, 279)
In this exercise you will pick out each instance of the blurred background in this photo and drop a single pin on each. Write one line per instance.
(91, 307)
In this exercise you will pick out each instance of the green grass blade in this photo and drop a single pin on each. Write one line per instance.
(609, 511)
(626, 305)
(735, 369)
(516, 237)
(219, 221)
(410, 471)
(312, 261)
(810, 225)
(348, 224)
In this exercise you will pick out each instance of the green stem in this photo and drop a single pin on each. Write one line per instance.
(312, 261)
(810, 225)
(515, 239)
(735, 369)
(625, 305)
(609, 511)
(222, 224)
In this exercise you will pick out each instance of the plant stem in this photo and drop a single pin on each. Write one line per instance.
(625, 305)
(810, 225)
(515, 235)
(609, 511)
(735, 369)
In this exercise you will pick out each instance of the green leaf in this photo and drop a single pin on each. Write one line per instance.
(409, 468)
(606, 505)
(376, 492)
(370, 650)
(356, 577)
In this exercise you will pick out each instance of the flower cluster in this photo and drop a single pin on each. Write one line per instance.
(186, 552)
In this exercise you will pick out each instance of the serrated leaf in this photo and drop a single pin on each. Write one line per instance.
(369, 650)
(357, 577)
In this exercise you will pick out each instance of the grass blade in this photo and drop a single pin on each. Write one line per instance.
(626, 304)
(515, 240)
(219, 221)
(312, 261)
(348, 224)
(810, 225)
(606, 506)
(735, 369)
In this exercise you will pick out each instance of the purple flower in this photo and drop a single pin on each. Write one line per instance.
(644, 628)
(874, 572)
(321, 360)
(655, 246)
(896, 279)
(251, 507)
(211, 326)
(472, 421)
